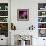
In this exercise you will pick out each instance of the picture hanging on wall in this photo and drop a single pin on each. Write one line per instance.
(23, 14)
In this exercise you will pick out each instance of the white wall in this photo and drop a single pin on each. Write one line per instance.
(32, 5)
(25, 4)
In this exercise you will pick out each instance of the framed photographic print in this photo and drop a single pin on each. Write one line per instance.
(22, 14)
